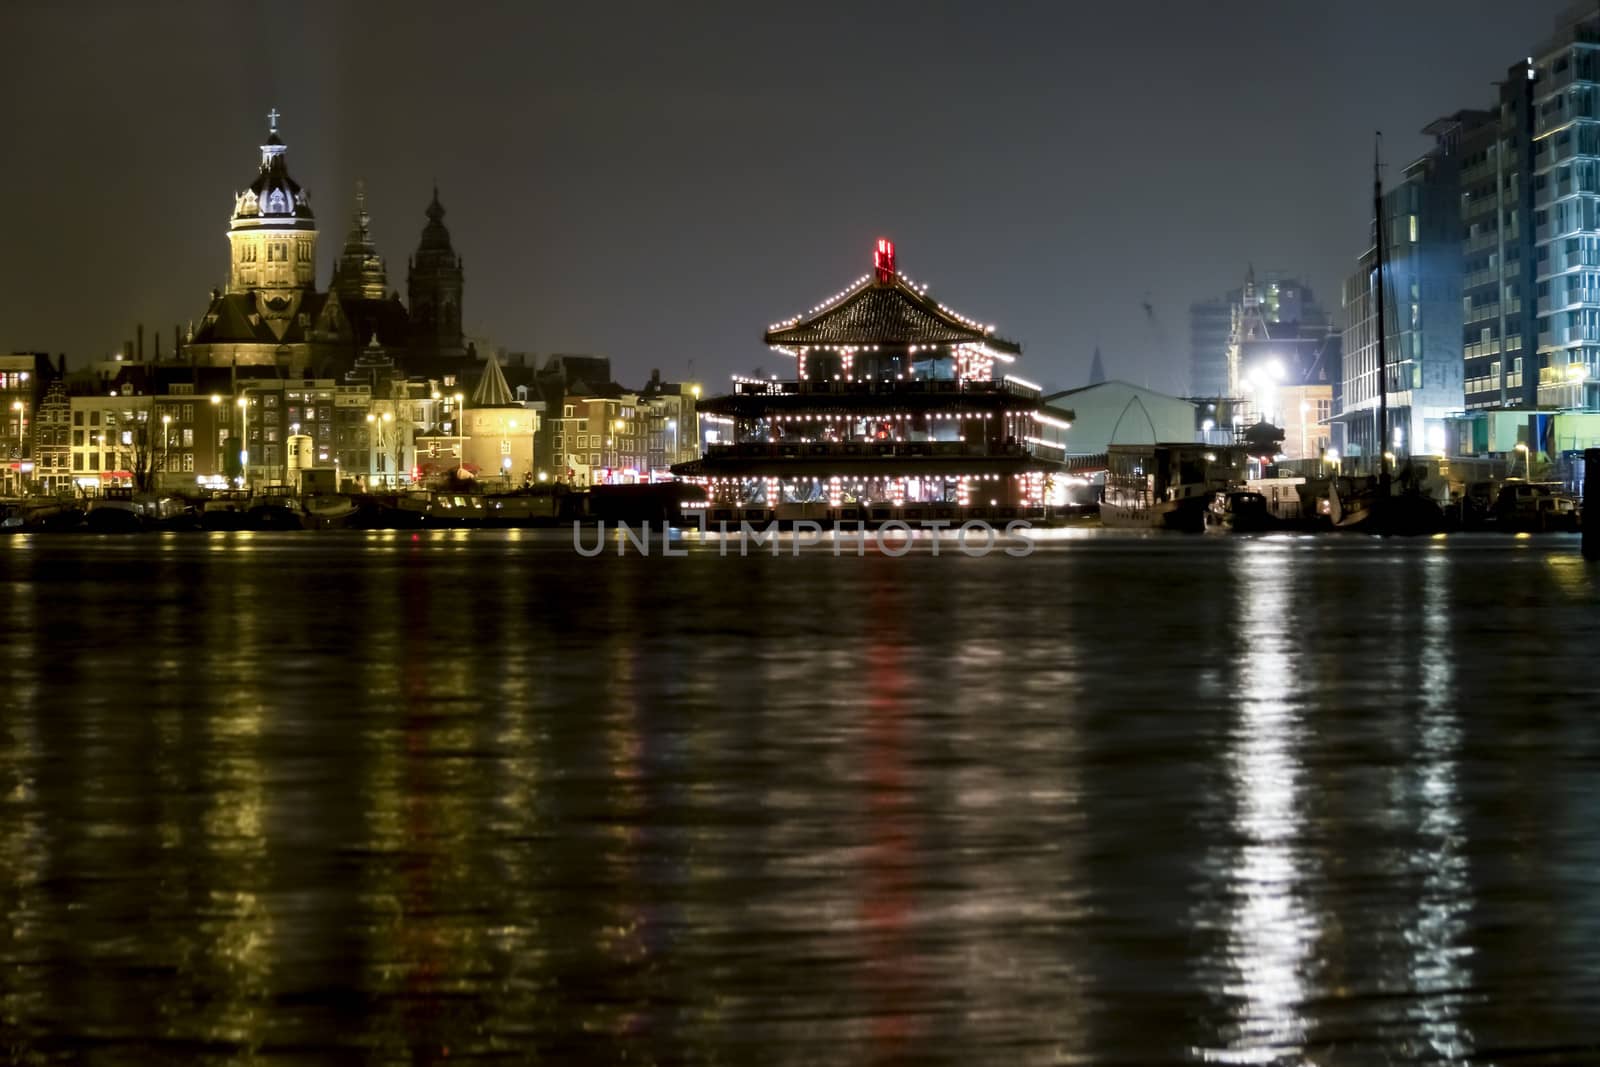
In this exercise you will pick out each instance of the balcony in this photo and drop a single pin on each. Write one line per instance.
(864, 386)
(874, 450)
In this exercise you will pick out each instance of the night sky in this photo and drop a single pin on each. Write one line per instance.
(659, 183)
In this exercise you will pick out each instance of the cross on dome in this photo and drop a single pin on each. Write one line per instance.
(272, 120)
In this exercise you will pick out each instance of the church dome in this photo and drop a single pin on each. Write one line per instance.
(274, 199)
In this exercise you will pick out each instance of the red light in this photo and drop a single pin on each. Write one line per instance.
(883, 260)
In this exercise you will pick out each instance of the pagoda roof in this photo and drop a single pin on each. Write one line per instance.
(885, 309)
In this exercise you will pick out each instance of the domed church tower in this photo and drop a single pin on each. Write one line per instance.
(433, 286)
(273, 235)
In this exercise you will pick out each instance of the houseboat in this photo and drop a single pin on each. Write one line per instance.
(1167, 486)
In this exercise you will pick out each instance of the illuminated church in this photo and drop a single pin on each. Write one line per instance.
(272, 315)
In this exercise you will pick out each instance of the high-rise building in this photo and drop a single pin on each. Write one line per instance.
(1497, 268)
(1422, 275)
(1278, 349)
(1209, 324)
(1566, 211)
(1286, 305)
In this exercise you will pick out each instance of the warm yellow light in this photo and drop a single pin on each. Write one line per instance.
(215, 399)
(243, 401)
(695, 392)
(371, 417)
(388, 416)
(1521, 447)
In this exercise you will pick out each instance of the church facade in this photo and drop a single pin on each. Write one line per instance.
(271, 320)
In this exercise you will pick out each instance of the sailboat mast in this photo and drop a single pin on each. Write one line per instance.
(1383, 348)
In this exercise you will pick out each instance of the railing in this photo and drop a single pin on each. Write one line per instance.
(859, 449)
(875, 386)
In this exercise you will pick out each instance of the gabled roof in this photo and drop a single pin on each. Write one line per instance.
(893, 313)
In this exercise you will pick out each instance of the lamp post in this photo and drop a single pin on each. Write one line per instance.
(216, 408)
(461, 439)
(699, 438)
(1304, 408)
(166, 441)
(1528, 469)
(244, 443)
(510, 427)
(18, 406)
(374, 440)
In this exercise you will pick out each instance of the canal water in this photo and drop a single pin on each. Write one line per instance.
(408, 798)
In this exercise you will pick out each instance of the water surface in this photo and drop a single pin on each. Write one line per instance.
(394, 798)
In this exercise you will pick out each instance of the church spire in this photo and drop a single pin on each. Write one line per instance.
(434, 287)
(1097, 368)
(360, 274)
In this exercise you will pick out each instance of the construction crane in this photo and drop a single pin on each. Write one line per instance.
(1163, 345)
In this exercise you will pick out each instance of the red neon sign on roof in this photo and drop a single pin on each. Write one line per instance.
(883, 260)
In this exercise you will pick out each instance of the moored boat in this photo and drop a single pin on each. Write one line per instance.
(1239, 511)
(1534, 507)
(227, 509)
(1166, 486)
(115, 511)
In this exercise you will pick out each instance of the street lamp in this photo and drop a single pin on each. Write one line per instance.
(461, 438)
(244, 442)
(507, 428)
(1527, 470)
(17, 406)
(166, 442)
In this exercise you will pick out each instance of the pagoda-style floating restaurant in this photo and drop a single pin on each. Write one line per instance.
(897, 408)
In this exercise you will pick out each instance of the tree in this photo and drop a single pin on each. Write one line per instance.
(149, 453)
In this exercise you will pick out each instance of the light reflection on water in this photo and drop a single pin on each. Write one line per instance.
(309, 799)
(1270, 932)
